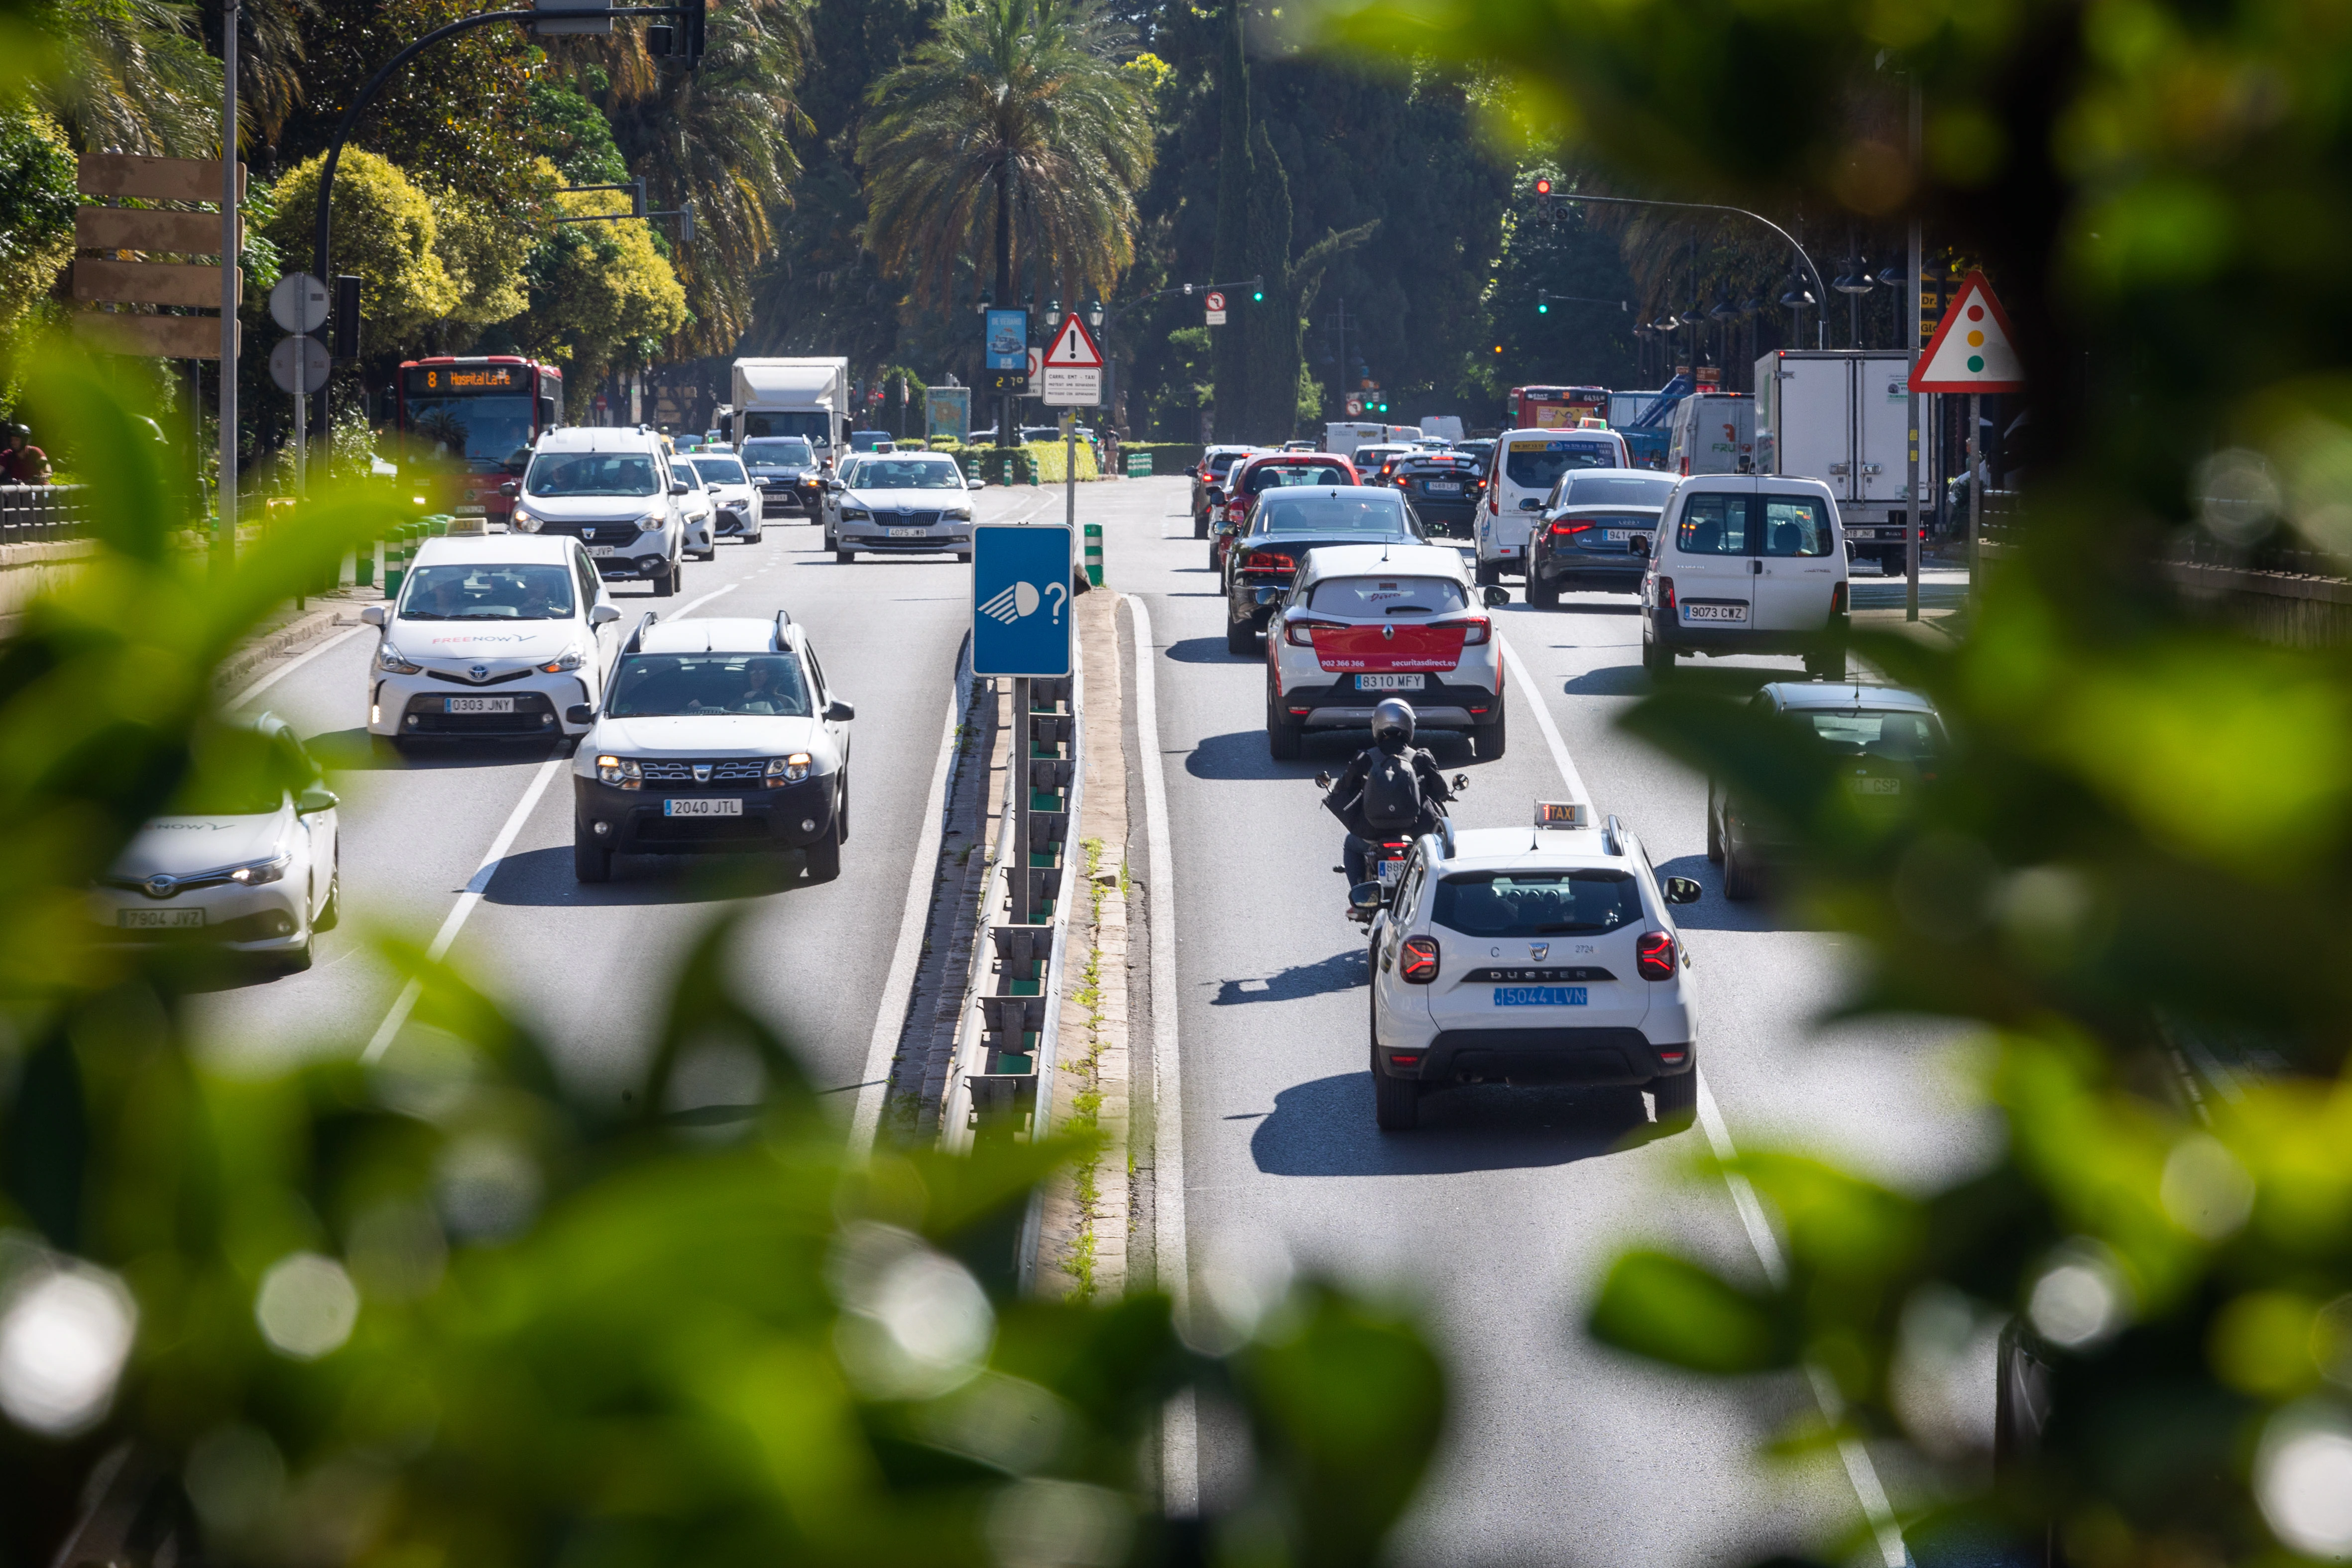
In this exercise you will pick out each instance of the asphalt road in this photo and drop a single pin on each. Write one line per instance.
(1498, 1216)
(591, 966)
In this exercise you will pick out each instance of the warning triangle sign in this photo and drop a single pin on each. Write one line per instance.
(1972, 351)
(1073, 349)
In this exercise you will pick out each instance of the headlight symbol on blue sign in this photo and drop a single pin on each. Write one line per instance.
(1021, 600)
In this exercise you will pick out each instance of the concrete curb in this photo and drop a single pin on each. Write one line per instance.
(300, 632)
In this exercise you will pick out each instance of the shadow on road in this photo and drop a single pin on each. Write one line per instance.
(1614, 681)
(543, 879)
(1716, 912)
(1207, 649)
(1324, 1128)
(1340, 972)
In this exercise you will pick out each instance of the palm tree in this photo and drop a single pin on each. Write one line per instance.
(1022, 101)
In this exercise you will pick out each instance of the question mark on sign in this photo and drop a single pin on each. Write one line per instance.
(1057, 593)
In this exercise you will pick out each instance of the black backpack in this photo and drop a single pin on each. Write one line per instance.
(1392, 793)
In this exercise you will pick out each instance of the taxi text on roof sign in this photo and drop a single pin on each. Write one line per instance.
(1973, 350)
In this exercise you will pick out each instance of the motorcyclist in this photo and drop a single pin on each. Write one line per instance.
(1387, 779)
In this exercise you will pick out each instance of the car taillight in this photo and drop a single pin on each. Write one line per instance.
(1563, 529)
(1837, 599)
(1474, 630)
(1270, 561)
(1665, 593)
(1654, 954)
(1301, 634)
(1417, 960)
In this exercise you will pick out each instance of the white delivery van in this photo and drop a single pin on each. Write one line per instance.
(1744, 564)
(1446, 427)
(807, 398)
(1527, 464)
(1342, 440)
(1843, 417)
(1713, 432)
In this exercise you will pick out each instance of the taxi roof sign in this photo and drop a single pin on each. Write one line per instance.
(1563, 814)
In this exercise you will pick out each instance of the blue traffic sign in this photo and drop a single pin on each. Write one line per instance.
(1007, 340)
(1021, 600)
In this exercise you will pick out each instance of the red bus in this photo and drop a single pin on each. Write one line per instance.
(477, 419)
(1556, 408)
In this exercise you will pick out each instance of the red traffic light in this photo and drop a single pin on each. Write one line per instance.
(1543, 187)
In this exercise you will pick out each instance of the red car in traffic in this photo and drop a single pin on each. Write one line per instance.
(1253, 475)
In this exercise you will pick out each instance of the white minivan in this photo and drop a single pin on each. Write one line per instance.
(1527, 465)
(1748, 565)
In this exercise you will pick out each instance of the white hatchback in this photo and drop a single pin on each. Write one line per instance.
(1745, 564)
(1525, 956)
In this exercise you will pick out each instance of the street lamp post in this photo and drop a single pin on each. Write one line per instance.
(1821, 289)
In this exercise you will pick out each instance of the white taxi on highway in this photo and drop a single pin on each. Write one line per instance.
(716, 735)
(1536, 954)
(1360, 623)
(492, 637)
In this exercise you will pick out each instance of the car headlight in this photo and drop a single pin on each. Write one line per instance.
(523, 522)
(962, 516)
(259, 872)
(856, 515)
(787, 769)
(388, 659)
(571, 658)
(652, 522)
(621, 770)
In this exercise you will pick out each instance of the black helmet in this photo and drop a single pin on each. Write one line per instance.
(1392, 721)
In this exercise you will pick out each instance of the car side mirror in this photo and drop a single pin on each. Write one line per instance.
(509, 489)
(1532, 504)
(1683, 890)
(975, 483)
(839, 712)
(679, 488)
(317, 797)
(1367, 898)
(603, 614)
(1496, 597)
(1267, 595)
(580, 713)
(373, 614)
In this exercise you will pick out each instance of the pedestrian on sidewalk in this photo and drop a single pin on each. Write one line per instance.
(22, 462)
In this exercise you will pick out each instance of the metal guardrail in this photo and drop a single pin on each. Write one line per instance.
(34, 512)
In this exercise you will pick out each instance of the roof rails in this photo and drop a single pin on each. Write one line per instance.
(1612, 836)
(784, 619)
(637, 637)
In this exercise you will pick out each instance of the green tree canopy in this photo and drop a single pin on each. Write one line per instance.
(600, 293)
(384, 230)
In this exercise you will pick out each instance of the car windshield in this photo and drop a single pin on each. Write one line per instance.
(591, 473)
(666, 685)
(1370, 596)
(1615, 490)
(1272, 475)
(1329, 514)
(909, 473)
(1896, 735)
(1221, 462)
(486, 591)
(779, 454)
(1536, 903)
(1537, 464)
(720, 470)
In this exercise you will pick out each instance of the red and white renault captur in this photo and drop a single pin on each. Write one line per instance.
(1365, 621)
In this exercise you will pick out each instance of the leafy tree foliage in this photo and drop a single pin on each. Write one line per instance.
(386, 231)
(600, 293)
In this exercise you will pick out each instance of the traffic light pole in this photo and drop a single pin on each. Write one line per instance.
(1111, 313)
(1821, 289)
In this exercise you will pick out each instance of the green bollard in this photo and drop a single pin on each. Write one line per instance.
(1094, 554)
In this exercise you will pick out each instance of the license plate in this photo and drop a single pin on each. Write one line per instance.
(702, 808)
(471, 512)
(1622, 536)
(601, 551)
(1539, 995)
(478, 705)
(1391, 871)
(159, 919)
(1389, 683)
(1875, 785)
(1715, 612)
(909, 533)
(1443, 487)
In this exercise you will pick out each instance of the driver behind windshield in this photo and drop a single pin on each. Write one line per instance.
(673, 685)
(487, 593)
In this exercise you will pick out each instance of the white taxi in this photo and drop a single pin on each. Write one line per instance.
(1360, 623)
(1536, 954)
(492, 637)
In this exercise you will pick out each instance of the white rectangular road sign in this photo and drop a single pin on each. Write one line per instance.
(1072, 386)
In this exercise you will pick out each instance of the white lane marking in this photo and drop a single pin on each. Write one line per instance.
(475, 887)
(691, 605)
(889, 1021)
(1180, 1438)
(292, 664)
(1859, 1470)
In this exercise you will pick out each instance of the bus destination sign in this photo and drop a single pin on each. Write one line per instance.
(444, 378)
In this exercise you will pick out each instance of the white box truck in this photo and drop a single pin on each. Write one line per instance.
(1342, 440)
(1842, 416)
(807, 398)
(1712, 433)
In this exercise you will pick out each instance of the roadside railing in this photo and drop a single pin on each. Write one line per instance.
(34, 512)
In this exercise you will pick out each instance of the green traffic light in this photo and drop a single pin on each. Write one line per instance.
(1543, 306)
(1257, 297)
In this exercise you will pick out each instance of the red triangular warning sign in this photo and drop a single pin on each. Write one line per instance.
(1074, 349)
(1973, 350)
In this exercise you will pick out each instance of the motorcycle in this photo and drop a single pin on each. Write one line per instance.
(1385, 857)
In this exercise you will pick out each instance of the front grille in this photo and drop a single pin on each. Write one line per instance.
(533, 715)
(595, 533)
(688, 830)
(469, 680)
(731, 773)
(905, 520)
